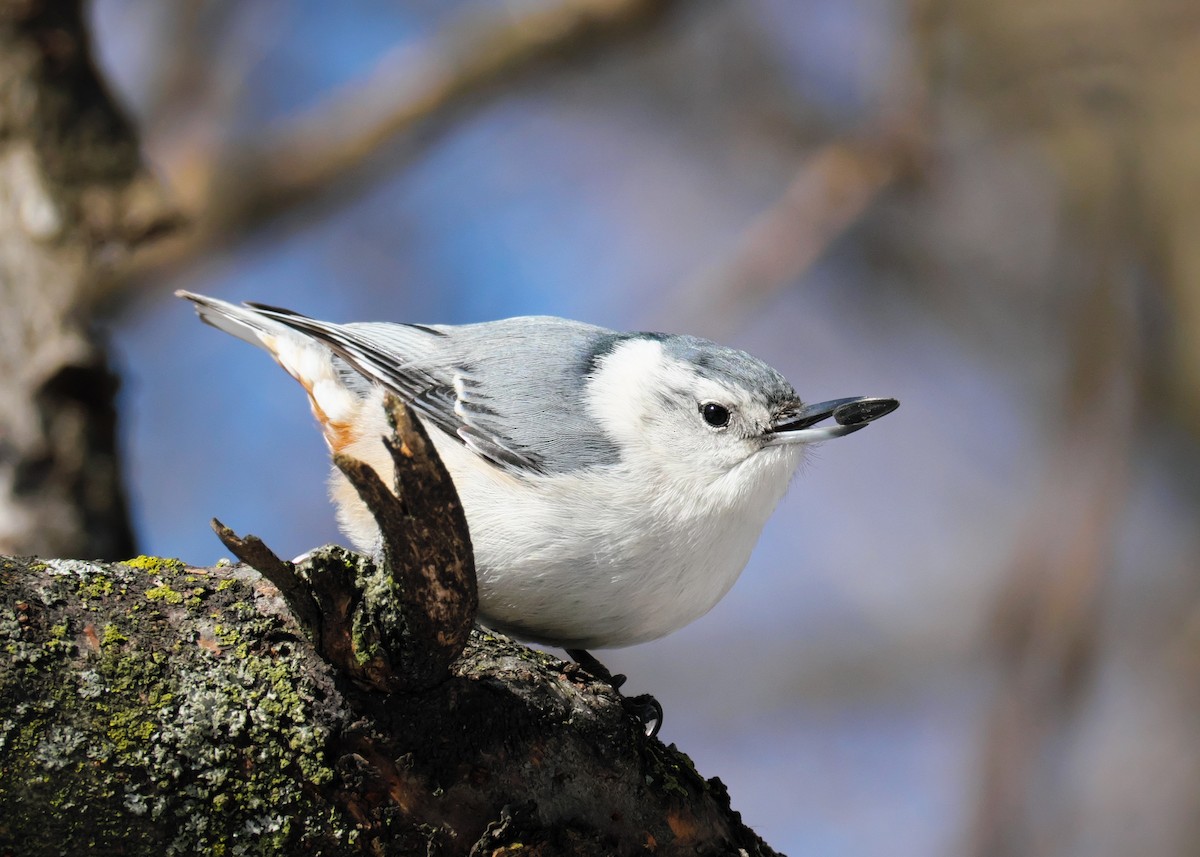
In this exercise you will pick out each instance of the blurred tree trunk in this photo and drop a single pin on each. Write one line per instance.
(1104, 96)
(73, 200)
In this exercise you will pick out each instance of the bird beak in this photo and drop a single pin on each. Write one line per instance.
(799, 426)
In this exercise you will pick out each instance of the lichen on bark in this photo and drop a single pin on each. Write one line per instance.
(152, 707)
(149, 708)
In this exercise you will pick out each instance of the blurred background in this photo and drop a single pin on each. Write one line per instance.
(973, 629)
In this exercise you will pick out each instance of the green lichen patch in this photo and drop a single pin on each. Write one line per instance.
(670, 770)
(119, 733)
(164, 592)
(113, 636)
(95, 586)
(156, 564)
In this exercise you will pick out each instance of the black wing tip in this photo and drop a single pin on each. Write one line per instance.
(273, 310)
(425, 328)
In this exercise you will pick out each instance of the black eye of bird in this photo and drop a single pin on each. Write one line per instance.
(715, 415)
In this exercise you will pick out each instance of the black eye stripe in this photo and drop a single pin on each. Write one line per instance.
(714, 414)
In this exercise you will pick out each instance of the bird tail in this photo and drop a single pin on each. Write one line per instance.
(244, 322)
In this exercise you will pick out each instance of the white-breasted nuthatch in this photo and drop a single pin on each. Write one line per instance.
(614, 484)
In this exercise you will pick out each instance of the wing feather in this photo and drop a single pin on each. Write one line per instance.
(398, 357)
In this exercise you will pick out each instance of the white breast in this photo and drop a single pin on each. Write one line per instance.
(605, 559)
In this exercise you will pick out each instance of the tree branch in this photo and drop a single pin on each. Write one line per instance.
(147, 706)
(833, 190)
(414, 94)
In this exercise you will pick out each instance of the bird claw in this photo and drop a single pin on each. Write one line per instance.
(647, 709)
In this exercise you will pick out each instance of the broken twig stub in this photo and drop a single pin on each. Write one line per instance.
(421, 606)
(395, 624)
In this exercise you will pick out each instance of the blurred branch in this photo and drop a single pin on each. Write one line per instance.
(186, 82)
(415, 92)
(1044, 636)
(831, 192)
(1046, 626)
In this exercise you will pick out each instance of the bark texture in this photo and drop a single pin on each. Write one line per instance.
(151, 708)
(73, 201)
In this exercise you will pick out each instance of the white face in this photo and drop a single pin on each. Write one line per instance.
(694, 429)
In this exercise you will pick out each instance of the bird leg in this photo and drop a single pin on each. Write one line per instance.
(647, 709)
(585, 659)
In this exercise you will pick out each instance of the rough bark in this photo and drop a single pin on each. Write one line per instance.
(147, 707)
(73, 201)
(151, 708)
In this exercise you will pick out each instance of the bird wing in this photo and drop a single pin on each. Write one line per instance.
(493, 386)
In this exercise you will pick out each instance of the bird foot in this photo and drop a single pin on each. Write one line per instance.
(647, 709)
